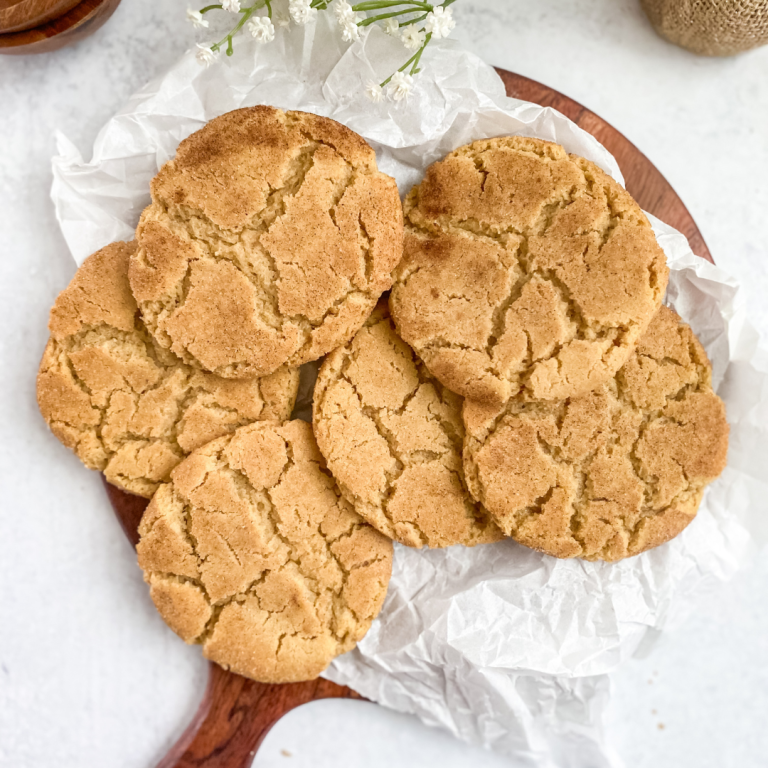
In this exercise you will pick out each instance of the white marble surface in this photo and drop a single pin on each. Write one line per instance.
(89, 675)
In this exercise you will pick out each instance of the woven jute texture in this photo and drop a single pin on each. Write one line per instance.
(710, 27)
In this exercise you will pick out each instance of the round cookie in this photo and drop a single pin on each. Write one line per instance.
(251, 552)
(270, 237)
(612, 473)
(124, 405)
(526, 271)
(392, 436)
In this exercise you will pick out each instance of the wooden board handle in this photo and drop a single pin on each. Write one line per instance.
(236, 714)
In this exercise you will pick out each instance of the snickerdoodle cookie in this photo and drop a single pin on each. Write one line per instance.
(251, 552)
(392, 436)
(270, 237)
(525, 271)
(121, 403)
(611, 473)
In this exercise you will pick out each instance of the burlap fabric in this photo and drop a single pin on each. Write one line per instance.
(710, 27)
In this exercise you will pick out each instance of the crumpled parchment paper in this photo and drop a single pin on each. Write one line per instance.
(499, 644)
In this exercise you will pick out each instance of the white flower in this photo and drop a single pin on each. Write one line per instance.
(347, 19)
(343, 10)
(374, 91)
(349, 30)
(413, 38)
(301, 11)
(196, 18)
(205, 55)
(440, 22)
(281, 19)
(233, 6)
(261, 29)
(392, 27)
(399, 86)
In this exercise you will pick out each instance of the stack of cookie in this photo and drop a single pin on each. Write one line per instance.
(173, 368)
(531, 284)
(527, 382)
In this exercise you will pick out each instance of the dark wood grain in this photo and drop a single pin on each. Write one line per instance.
(129, 509)
(642, 179)
(79, 22)
(25, 14)
(236, 714)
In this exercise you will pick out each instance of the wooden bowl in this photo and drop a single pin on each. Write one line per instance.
(18, 15)
(40, 26)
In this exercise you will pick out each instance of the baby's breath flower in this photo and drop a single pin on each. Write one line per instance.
(400, 23)
(347, 19)
(261, 29)
(413, 38)
(399, 86)
(440, 22)
(281, 19)
(301, 11)
(196, 18)
(205, 55)
(343, 10)
(374, 91)
(349, 30)
(392, 27)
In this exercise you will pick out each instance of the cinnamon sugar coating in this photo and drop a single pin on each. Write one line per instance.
(269, 239)
(123, 404)
(526, 272)
(612, 473)
(392, 436)
(251, 552)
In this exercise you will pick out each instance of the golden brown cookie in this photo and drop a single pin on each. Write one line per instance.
(612, 473)
(525, 270)
(251, 552)
(392, 436)
(270, 237)
(124, 405)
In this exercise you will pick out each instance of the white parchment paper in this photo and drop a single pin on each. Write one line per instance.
(499, 644)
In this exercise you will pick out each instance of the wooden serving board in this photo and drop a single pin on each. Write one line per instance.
(235, 713)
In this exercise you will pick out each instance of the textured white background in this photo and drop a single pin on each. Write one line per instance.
(89, 676)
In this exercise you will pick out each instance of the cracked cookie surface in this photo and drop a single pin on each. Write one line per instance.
(612, 473)
(124, 405)
(392, 436)
(526, 271)
(251, 552)
(269, 239)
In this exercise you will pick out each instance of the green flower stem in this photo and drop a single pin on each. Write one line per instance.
(246, 14)
(414, 60)
(375, 5)
(421, 18)
(415, 20)
(209, 8)
(415, 68)
(381, 17)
